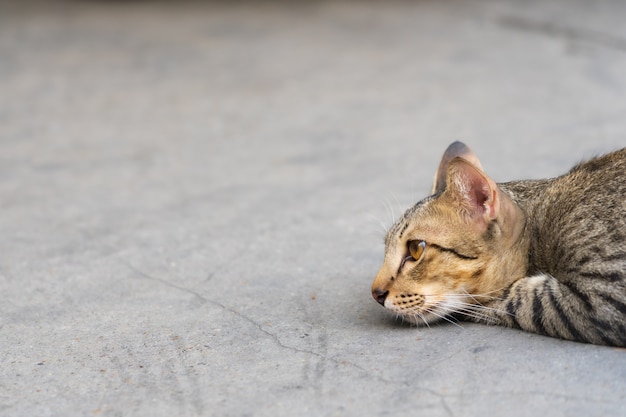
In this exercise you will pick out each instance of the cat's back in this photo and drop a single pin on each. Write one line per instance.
(592, 193)
(577, 222)
(607, 172)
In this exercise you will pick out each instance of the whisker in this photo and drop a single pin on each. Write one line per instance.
(475, 296)
(486, 295)
(472, 297)
(477, 315)
(389, 210)
(462, 302)
(476, 311)
(465, 294)
(444, 317)
(381, 223)
(480, 307)
(397, 201)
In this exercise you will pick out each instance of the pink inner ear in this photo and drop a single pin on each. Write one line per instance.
(475, 188)
(480, 197)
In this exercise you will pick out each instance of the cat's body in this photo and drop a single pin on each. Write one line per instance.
(546, 256)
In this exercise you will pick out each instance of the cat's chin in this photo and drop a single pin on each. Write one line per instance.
(421, 319)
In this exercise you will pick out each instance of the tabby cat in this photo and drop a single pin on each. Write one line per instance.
(546, 256)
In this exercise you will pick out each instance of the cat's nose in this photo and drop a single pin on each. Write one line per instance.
(380, 296)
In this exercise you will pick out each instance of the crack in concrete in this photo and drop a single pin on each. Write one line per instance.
(275, 338)
(444, 404)
(257, 325)
(324, 358)
(221, 266)
(555, 30)
(164, 282)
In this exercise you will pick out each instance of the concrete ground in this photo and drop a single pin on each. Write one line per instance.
(191, 198)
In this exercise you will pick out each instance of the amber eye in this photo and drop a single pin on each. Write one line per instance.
(416, 249)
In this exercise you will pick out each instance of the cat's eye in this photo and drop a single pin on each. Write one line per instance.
(416, 249)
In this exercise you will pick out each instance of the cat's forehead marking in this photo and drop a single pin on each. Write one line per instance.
(406, 224)
(398, 229)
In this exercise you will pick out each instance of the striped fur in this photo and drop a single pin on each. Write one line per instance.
(545, 256)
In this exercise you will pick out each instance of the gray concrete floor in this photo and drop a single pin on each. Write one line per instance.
(191, 197)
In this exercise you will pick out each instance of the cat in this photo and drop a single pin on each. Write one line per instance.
(545, 256)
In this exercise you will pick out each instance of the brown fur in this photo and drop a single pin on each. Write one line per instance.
(547, 256)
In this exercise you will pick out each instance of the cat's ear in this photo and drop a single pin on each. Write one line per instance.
(455, 150)
(476, 193)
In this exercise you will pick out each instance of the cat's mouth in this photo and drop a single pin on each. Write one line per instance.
(424, 310)
(417, 308)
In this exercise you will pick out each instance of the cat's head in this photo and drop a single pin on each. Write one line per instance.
(454, 249)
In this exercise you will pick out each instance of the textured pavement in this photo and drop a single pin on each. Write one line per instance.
(193, 195)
